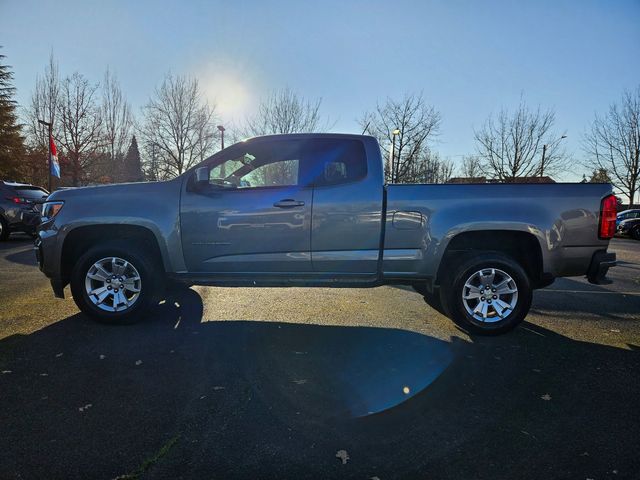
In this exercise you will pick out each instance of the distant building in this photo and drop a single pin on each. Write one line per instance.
(468, 180)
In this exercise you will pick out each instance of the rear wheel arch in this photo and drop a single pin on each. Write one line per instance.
(522, 247)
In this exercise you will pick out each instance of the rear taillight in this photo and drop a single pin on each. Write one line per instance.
(608, 212)
(17, 200)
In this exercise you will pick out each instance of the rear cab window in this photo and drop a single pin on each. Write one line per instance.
(337, 161)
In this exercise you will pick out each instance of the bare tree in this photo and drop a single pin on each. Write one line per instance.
(283, 111)
(417, 123)
(520, 144)
(178, 128)
(43, 106)
(430, 168)
(471, 166)
(80, 123)
(117, 122)
(613, 143)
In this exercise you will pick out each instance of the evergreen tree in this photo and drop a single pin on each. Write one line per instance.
(132, 167)
(600, 175)
(11, 141)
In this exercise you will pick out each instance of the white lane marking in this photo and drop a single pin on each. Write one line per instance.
(633, 294)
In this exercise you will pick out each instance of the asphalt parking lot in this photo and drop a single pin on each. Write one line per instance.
(318, 383)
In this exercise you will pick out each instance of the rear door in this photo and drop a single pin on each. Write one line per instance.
(254, 217)
(347, 206)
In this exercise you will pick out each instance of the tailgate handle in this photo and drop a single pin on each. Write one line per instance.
(288, 203)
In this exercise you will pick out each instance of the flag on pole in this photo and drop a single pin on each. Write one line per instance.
(53, 161)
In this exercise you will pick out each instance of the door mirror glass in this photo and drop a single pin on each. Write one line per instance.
(202, 176)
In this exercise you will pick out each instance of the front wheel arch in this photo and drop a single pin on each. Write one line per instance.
(81, 239)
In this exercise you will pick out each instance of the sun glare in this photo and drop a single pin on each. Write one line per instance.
(225, 89)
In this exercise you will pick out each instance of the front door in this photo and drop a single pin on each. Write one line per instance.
(254, 215)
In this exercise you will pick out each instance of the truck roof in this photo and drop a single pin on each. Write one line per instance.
(311, 135)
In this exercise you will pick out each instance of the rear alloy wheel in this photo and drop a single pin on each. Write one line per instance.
(487, 293)
(115, 283)
(490, 295)
(635, 233)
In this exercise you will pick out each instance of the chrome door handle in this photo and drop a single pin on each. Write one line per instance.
(288, 203)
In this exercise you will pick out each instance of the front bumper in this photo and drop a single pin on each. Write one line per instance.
(37, 249)
(601, 262)
(57, 285)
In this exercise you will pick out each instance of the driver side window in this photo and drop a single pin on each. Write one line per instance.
(282, 173)
(257, 166)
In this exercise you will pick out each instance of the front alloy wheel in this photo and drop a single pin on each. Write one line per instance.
(113, 284)
(116, 282)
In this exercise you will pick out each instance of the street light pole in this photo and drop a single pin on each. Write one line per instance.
(48, 125)
(544, 154)
(221, 129)
(392, 157)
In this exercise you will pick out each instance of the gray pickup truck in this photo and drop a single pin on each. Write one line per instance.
(313, 210)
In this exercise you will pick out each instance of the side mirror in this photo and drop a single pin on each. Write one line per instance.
(202, 177)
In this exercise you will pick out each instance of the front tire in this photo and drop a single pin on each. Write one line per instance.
(115, 283)
(486, 293)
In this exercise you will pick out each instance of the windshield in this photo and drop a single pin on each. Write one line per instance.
(30, 193)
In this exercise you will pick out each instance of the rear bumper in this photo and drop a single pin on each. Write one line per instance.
(601, 262)
(25, 221)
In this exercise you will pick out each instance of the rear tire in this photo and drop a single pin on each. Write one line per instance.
(4, 230)
(489, 308)
(124, 279)
(635, 233)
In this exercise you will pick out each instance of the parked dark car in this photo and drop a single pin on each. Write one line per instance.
(629, 228)
(20, 208)
(627, 215)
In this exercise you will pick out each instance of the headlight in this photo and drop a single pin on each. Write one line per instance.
(50, 210)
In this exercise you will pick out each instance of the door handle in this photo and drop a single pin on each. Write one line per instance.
(288, 203)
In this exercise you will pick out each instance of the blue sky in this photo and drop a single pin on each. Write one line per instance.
(468, 58)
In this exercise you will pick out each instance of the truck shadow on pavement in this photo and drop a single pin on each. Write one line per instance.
(179, 397)
(24, 256)
(582, 301)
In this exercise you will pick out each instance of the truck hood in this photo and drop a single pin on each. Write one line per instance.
(116, 189)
